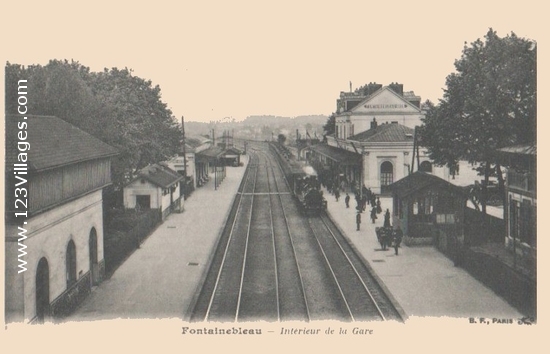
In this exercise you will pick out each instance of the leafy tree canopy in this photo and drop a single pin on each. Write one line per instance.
(117, 107)
(330, 125)
(488, 103)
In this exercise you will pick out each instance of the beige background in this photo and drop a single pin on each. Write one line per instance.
(327, 47)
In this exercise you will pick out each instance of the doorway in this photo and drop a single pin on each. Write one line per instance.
(144, 201)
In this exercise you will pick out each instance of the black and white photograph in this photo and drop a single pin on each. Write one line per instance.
(322, 172)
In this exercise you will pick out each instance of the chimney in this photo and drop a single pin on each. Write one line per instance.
(374, 123)
(397, 88)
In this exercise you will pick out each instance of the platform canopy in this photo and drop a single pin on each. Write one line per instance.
(341, 156)
(211, 154)
(418, 181)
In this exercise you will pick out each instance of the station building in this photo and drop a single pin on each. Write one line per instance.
(373, 142)
(385, 104)
(62, 233)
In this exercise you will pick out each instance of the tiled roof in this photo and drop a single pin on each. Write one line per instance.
(339, 155)
(385, 133)
(159, 175)
(53, 143)
(420, 180)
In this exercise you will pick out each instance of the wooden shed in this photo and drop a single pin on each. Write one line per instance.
(430, 210)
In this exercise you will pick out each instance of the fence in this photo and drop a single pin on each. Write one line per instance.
(516, 288)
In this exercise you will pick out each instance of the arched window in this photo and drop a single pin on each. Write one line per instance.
(94, 266)
(425, 166)
(42, 290)
(71, 263)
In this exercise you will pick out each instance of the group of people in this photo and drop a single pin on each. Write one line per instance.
(389, 235)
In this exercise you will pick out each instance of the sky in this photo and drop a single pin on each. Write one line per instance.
(217, 59)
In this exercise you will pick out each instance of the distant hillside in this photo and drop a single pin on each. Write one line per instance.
(262, 127)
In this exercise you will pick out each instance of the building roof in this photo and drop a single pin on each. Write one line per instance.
(53, 143)
(385, 133)
(421, 180)
(524, 149)
(193, 142)
(212, 153)
(341, 156)
(232, 151)
(401, 97)
(159, 175)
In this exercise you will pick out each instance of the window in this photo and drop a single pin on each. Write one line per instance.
(386, 173)
(42, 292)
(522, 221)
(425, 166)
(71, 263)
(422, 208)
(445, 218)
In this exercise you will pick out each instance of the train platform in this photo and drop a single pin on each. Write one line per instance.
(160, 279)
(423, 280)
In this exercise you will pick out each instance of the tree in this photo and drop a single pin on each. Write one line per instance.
(118, 108)
(330, 125)
(146, 131)
(489, 103)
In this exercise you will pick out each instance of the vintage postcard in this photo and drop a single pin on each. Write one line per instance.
(341, 174)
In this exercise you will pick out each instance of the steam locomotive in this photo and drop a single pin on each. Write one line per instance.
(303, 181)
(307, 189)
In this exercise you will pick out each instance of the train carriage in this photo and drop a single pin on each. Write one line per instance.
(303, 182)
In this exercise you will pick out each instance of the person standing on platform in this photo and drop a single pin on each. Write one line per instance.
(337, 194)
(369, 194)
(397, 237)
(358, 220)
(387, 219)
(373, 214)
(378, 205)
(347, 200)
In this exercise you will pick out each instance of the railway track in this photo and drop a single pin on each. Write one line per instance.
(274, 264)
(364, 298)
